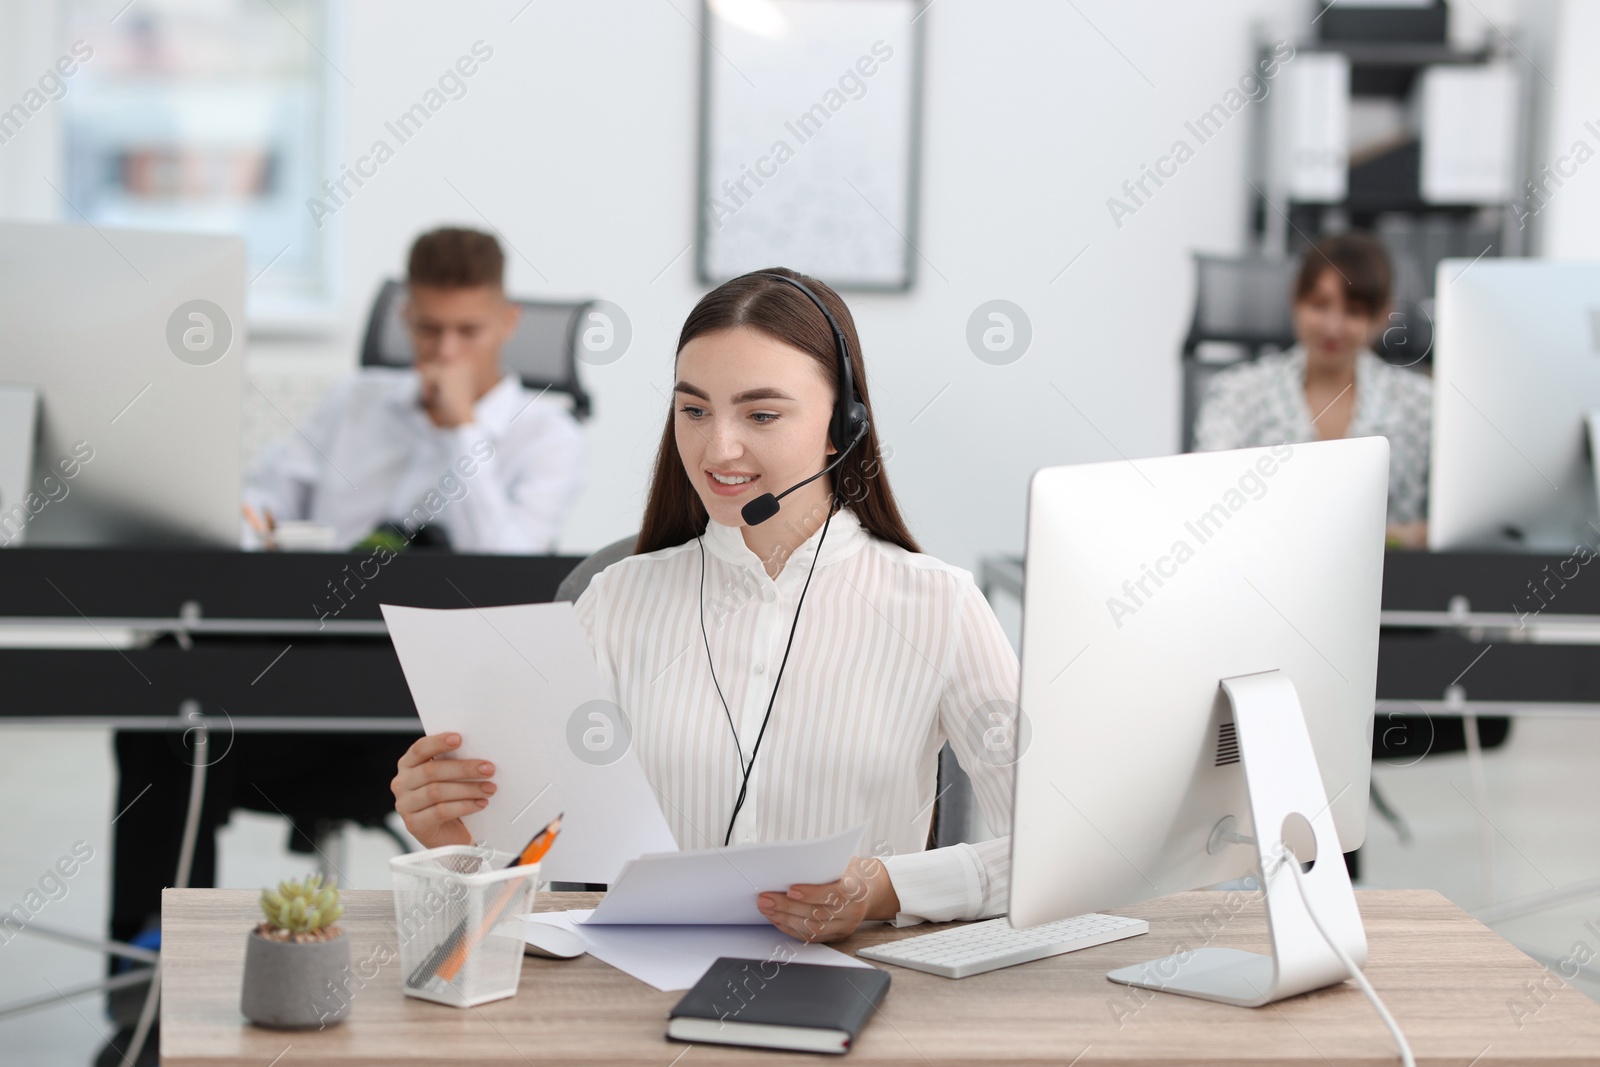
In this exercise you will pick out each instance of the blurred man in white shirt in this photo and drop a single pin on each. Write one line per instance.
(454, 444)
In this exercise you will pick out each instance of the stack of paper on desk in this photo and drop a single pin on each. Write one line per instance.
(515, 683)
(670, 916)
(674, 957)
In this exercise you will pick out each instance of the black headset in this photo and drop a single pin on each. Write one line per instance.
(848, 424)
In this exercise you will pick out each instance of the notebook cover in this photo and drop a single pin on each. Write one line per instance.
(809, 995)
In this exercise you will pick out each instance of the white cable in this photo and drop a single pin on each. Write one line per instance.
(1406, 1058)
(197, 797)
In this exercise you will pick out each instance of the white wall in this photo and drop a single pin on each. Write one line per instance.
(29, 45)
(1570, 225)
(577, 140)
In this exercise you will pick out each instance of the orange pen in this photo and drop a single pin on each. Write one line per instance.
(533, 853)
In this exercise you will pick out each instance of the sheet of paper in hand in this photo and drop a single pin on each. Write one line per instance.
(519, 684)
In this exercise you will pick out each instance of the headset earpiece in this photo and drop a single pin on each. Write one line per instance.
(849, 422)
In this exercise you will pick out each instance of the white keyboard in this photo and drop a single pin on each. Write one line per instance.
(992, 944)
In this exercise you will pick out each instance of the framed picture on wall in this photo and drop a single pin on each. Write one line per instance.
(219, 118)
(809, 139)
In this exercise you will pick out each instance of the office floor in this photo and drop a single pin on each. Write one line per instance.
(56, 790)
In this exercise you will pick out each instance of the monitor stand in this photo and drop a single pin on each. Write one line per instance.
(1282, 781)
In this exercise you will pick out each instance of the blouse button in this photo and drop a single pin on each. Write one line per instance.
(759, 667)
(769, 594)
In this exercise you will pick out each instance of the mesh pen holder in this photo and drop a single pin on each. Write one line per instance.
(456, 914)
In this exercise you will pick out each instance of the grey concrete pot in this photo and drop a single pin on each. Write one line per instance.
(290, 986)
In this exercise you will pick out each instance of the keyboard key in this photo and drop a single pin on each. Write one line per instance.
(991, 944)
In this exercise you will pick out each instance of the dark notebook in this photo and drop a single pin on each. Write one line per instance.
(807, 1007)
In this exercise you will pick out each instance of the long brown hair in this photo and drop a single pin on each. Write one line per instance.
(674, 513)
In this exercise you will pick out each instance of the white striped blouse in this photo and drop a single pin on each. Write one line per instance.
(895, 653)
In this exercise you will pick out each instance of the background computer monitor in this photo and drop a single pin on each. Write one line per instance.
(1147, 582)
(134, 342)
(1516, 369)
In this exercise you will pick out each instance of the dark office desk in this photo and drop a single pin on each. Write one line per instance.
(261, 640)
(231, 655)
(1491, 633)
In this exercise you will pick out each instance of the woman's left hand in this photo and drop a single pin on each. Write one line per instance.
(832, 912)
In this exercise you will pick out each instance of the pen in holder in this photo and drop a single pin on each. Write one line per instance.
(455, 912)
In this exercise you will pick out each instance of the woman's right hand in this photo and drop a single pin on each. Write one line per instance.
(433, 794)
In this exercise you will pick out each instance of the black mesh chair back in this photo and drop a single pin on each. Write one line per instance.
(543, 352)
(1244, 301)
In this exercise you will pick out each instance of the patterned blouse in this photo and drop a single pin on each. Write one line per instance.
(1264, 403)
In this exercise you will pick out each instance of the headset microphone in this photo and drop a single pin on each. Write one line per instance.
(765, 506)
(848, 422)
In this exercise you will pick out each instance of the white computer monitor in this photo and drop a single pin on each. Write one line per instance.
(1148, 583)
(133, 344)
(1516, 375)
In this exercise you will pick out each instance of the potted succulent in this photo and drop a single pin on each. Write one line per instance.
(297, 962)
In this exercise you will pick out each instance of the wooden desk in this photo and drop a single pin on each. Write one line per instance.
(1449, 981)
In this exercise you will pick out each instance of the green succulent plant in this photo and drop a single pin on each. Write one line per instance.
(304, 907)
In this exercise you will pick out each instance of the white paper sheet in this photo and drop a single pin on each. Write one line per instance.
(519, 684)
(674, 957)
(718, 886)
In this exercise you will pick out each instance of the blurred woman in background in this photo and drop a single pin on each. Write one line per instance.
(1331, 384)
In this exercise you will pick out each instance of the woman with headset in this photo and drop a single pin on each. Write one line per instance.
(788, 659)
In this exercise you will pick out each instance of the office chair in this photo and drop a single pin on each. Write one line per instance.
(1240, 301)
(577, 580)
(954, 803)
(543, 351)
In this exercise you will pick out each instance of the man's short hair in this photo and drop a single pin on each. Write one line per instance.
(452, 258)
(1362, 265)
